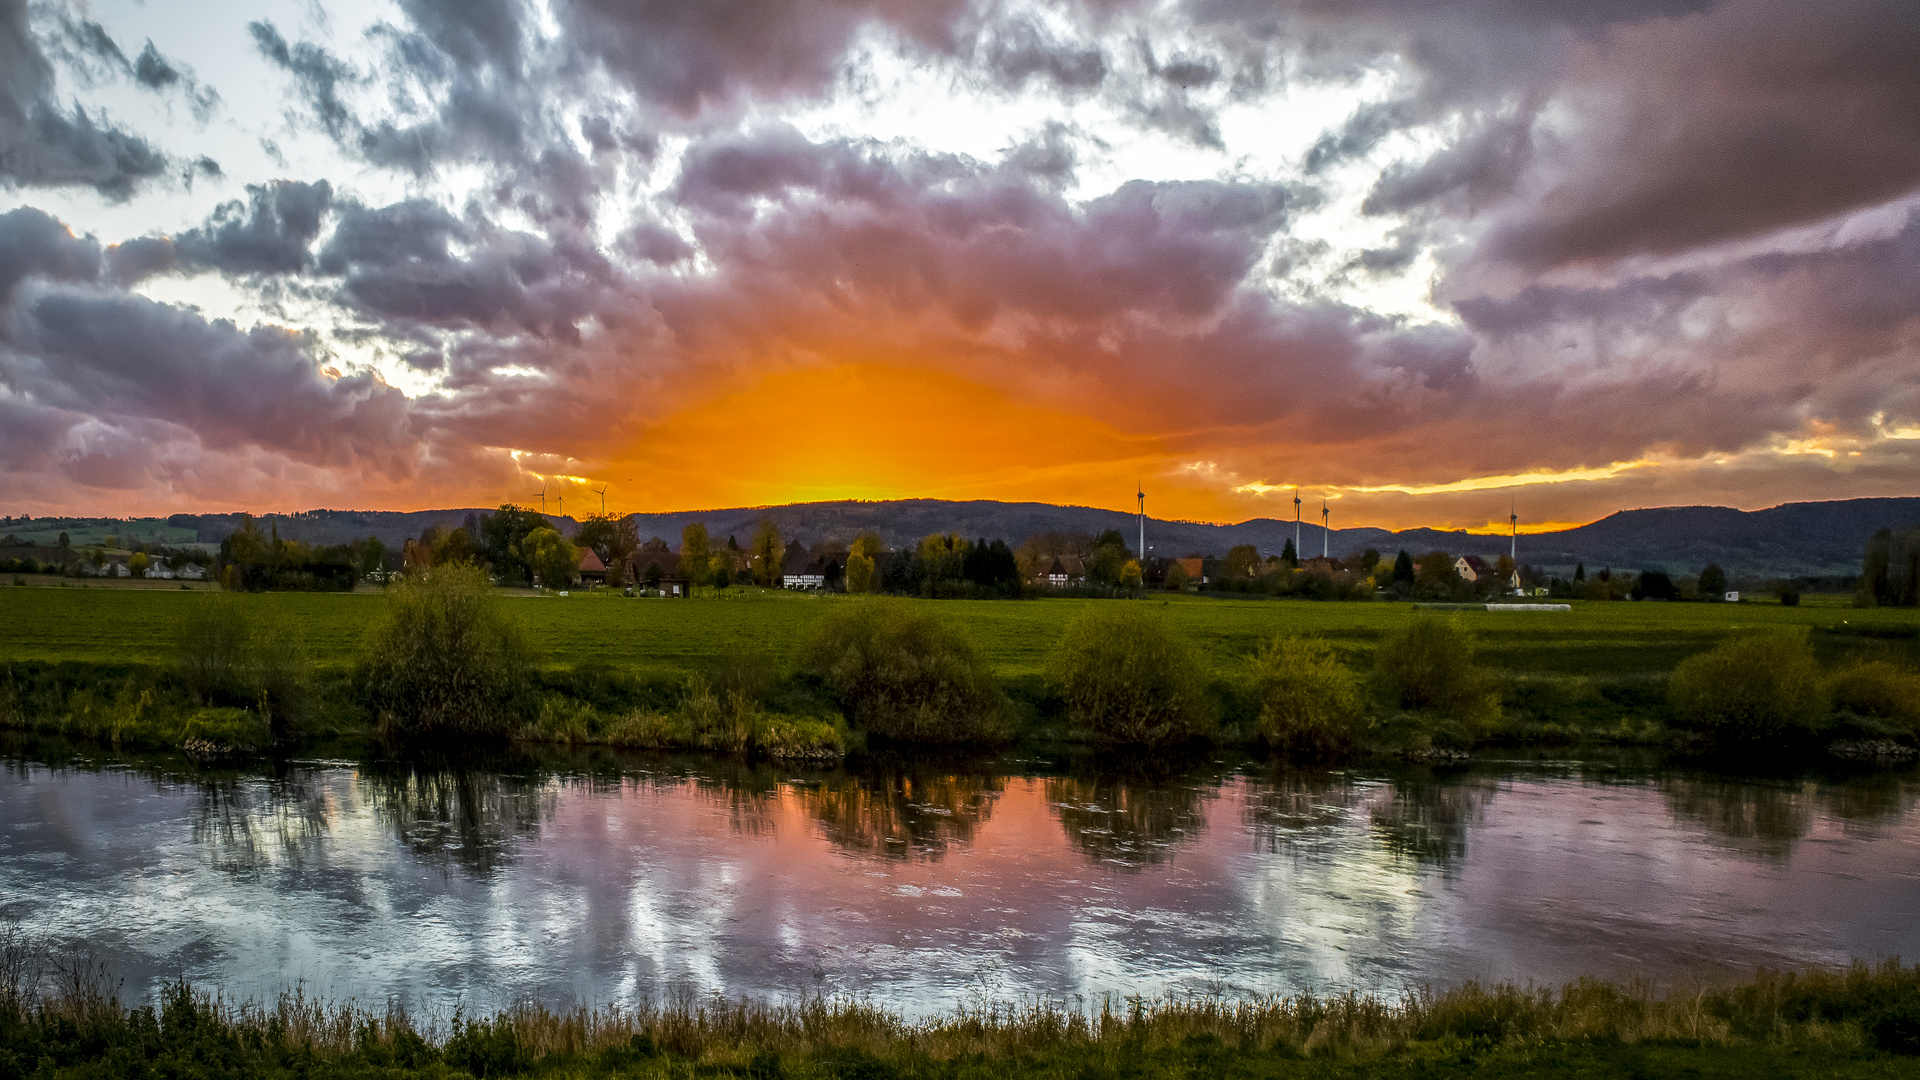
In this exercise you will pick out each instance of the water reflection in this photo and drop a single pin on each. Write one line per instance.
(1426, 818)
(246, 825)
(457, 811)
(606, 878)
(897, 809)
(1292, 807)
(1132, 813)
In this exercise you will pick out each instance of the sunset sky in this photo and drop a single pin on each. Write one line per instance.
(1431, 260)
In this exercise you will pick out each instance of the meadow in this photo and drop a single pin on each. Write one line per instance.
(1595, 674)
(664, 639)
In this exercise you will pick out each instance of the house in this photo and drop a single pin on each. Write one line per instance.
(1060, 572)
(1196, 568)
(592, 570)
(1470, 567)
(658, 570)
(816, 573)
(190, 572)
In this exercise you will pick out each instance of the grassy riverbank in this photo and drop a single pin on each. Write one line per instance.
(1862, 1022)
(99, 662)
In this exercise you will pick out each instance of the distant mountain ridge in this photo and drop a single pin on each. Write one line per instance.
(1793, 539)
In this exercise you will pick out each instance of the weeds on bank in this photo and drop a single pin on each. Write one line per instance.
(66, 1019)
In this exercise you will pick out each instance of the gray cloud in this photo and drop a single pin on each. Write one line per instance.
(43, 145)
(271, 233)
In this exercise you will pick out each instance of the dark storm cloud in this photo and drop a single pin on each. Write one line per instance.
(416, 263)
(317, 72)
(271, 233)
(44, 145)
(125, 356)
(1595, 131)
(1022, 52)
(34, 244)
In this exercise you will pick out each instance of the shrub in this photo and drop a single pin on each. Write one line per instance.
(1125, 678)
(1753, 688)
(445, 659)
(1877, 688)
(227, 657)
(1309, 701)
(902, 674)
(1428, 664)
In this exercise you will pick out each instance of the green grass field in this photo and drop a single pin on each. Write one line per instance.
(664, 639)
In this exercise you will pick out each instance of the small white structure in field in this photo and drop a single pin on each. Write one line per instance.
(1733, 597)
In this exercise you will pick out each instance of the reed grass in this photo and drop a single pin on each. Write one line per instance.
(63, 1017)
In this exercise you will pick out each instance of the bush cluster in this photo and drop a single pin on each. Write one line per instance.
(1878, 689)
(446, 659)
(1760, 688)
(231, 653)
(1310, 702)
(1428, 665)
(902, 674)
(1126, 679)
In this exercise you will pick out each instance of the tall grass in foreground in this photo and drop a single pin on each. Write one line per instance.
(72, 1022)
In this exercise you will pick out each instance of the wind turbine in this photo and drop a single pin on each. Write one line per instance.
(543, 499)
(1141, 495)
(1296, 523)
(1326, 534)
(1513, 541)
(602, 492)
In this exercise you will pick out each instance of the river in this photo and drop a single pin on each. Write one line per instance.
(607, 880)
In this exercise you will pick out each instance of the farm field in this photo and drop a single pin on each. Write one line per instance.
(662, 639)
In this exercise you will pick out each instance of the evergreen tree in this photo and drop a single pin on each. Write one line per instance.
(1579, 573)
(1289, 556)
(1403, 568)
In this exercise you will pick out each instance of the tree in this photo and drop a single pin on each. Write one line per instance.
(1176, 577)
(1369, 559)
(1130, 575)
(1289, 556)
(695, 553)
(1436, 571)
(767, 554)
(1653, 585)
(65, 541)
(137, 565)
(447, 659)
(1243, 560)
(1108, 560)
(859, 573)
(868, 544)
(457, 546)
(1403, 569)
(1713, 582)
(612, 537)
(1579, 572)
(943, 557)
(720, 569)
(500, 535)
(550, 558)
(371, 555)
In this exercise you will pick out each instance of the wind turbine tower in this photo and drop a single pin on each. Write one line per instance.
(1141, 495)
(1296, 523)
(1326, 532)
(602, 492)
(1513, 535)
(543, 500)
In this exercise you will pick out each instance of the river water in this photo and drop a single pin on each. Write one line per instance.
(610, 880)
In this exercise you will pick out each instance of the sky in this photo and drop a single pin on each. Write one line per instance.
(1432, 263)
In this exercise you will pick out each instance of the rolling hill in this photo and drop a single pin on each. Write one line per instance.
(1794, 539)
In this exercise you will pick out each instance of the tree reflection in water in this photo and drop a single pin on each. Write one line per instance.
(1766, 817)
(246, 824)
(903, 809)
(1425, 818)
(461, 810)
(1132, 812)
(1290, 807)
(1759, 817)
